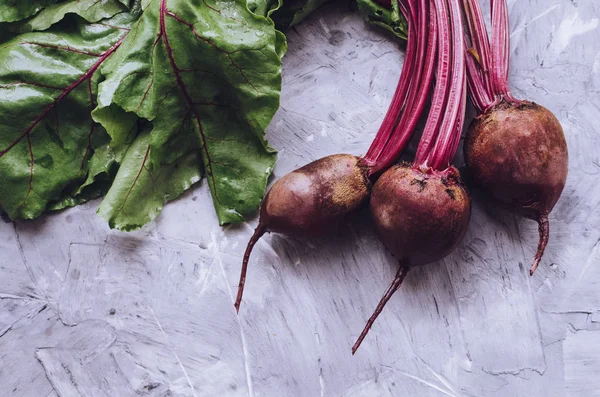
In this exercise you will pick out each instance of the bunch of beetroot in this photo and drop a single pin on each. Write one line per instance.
(515, 150)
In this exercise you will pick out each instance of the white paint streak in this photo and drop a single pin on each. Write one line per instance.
(581, 369)
(321, 377)
(216, 253)
(525, 25)
(423, 381)
(174, 351)
(322, 383)
(442, 379)
(592, 260)
(571, 27)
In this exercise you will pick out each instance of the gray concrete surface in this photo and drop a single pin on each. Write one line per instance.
(85, 311)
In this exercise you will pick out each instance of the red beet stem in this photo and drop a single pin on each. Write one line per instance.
(488, 62)
(396, 283)
(544, 229)
(500, 46)
(422, 79)
(480, 97)
(258, 233)
(501, 49)
(438, 102)
(478, 57)
(400, 96)
(445, 147)
(455, 136)
(442, 131)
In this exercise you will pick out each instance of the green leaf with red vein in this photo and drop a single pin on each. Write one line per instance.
(142, 187)
(104, 163)
(207, 73)
(90, 10)
(15, 10)
(103, 167)
(48, 84)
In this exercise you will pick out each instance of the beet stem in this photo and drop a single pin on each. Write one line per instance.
(442, 131)
(422, 77)
(396, 283)
(500, 46)
(258, 233)
(488, 62)
(544, 229)
(442, 81)
(398, 103)
(480, 73)
(481, 43)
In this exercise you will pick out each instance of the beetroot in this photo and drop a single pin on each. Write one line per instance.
(515, 150)
(420, 216)
(421, 212)
(314, 199)
(311, 201)
(518, 155)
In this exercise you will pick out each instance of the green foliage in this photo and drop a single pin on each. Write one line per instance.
(137, 100)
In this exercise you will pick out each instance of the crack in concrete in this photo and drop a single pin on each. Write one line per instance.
(531, 294)
(525, 25)
(595, 251)
(37, 309)
(196, 244)
(5, 295)
(26, 264)
(320, 365)
(515, 372)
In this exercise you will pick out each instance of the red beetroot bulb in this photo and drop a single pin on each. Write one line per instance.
(517, 154)
(420, 216)
(421, 211)
(311, 201)
(515, 150)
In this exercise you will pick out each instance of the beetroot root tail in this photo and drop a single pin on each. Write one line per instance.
(258, 233)
(544, 228)
(396, 283)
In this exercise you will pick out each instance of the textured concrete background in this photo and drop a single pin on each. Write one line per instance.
(91, 312)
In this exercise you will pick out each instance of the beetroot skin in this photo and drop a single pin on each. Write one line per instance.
(420, 216)
(517, 154)
(314, 199)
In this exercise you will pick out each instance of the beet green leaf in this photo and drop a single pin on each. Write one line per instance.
(389, 19)
(293, 12)
(90, 10)
(141, 187)
(48, 84)
(16, 10)
(207, 74)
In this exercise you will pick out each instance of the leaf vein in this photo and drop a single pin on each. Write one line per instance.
(63, 48)
(137, 177)
(216, 47)
(66, 91)
(185, 93)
